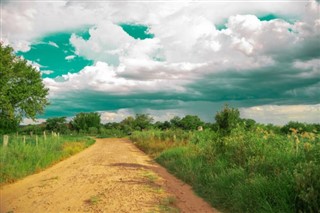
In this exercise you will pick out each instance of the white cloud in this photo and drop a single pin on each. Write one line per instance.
(104, 78)
(27, 121)
(107, 41)
(47, 72)
(70, 57)
(282, 114)
(115, 116)
(53, 44)
(187, 46)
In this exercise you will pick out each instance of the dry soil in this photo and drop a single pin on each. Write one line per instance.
(110, 176)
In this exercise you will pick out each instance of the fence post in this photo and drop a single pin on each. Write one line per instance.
(24, 140)
(5, 140)
(37, 140)
(44, 135)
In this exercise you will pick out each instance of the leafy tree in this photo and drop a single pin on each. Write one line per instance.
(57, 124)
(22, 92)
(176, 122)
(191, 122)
(142, 121)
(227, 119)
(298, 127)
(84, 121)
(248, 123)
(128, 124)
(162, 125)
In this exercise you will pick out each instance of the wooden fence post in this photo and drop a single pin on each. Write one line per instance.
(24, 140)
(44, 135)
(37, 140)
(5, 140)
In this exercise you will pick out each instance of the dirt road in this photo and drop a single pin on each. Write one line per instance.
(110, 176)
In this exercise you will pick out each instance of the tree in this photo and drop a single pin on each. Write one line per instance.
(176, 122)
(191, 122)
(22, 92)
(57, 124)
(298, 127)
(248, 123)
(227, 119)
(83, 121)
(162, 125)
(142, 121)
(128, 124)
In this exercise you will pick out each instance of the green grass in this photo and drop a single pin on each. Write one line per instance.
(18, 160)
(93, 200)
(246, 171)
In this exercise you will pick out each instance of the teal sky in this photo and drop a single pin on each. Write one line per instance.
(137, 31)
(51, 52)
(166, 59)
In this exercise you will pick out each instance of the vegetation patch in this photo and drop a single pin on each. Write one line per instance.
(240, 166)
(25, 155)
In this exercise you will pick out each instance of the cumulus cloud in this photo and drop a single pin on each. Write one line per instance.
(115, 116)
(254, 61)
(104, 78)
(282, 114)
(27, 121)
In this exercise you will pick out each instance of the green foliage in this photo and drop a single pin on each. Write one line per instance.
(84, 121)
(299, 127)
(243, 171)
(155, 141)
(191, 122)
(142, 121)
(19, 160)
(307, 179)
(227, 119)
(58, 124)
(162, 125)
(176, 122)
(22, 92)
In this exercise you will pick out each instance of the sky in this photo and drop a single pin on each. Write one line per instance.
(172, 58)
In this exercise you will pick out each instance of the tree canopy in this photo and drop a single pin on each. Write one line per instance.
(227, 119)
(22, 92)
(58, 124)
(84, 121)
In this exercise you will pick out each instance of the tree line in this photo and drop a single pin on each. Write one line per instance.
(224, 121)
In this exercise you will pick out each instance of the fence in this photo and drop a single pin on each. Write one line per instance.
(27, 139)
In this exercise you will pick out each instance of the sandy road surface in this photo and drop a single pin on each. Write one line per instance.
(110, 176)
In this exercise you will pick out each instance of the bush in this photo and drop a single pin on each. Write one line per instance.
(243, 171)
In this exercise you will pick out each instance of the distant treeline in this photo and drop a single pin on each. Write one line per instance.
(90, 123)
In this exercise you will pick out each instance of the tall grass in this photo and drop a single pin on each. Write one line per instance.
(246, 171)
(20, 159)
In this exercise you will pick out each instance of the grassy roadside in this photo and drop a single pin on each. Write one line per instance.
(18, 160)
(246, 171)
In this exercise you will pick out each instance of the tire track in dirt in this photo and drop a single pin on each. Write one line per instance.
(110, 176)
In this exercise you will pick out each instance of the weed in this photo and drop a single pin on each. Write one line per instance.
(244, 171)
(93, 200)
(152, 177)
(167, 205)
